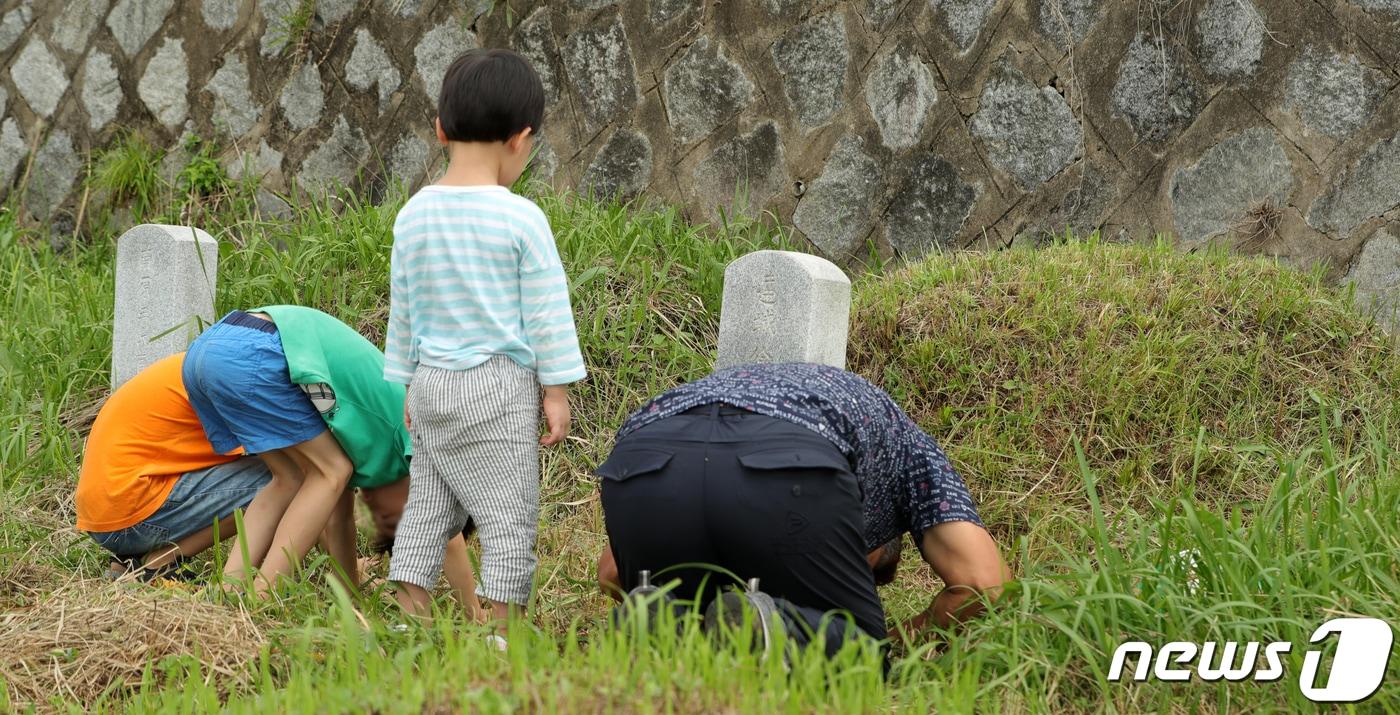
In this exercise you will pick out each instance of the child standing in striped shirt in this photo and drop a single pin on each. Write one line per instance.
(479, 325)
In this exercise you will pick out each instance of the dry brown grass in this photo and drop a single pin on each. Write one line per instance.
(89, 637)
(1259, 226)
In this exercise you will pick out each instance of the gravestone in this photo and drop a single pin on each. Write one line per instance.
(165, 294)
(781, 306)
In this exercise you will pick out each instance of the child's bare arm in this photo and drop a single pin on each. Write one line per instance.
(339, 538)
(326, 472)
(556, 414)
(262, 516)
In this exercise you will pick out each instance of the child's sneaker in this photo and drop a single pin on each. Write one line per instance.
(498, 642)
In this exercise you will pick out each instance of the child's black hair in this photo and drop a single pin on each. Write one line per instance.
(385, 544)
(490, 96)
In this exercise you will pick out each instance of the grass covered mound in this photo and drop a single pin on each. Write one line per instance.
(1190, 379)
(1175, 373)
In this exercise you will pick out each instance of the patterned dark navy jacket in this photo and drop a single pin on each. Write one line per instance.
(907, 482)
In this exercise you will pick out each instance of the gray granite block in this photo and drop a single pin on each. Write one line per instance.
(781, 306)
(165, 288)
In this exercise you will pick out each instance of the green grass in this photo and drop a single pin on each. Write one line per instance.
(203, 176)
(134, 182)
(1178, 373)
(129, 171)
(290, 29)
(1109, 406)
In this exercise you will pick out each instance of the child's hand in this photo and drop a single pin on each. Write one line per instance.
(407, 421)
(556, 414)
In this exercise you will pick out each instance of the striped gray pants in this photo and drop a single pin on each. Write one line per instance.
(476, 453)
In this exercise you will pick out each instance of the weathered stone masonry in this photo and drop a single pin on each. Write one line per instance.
(906, 125)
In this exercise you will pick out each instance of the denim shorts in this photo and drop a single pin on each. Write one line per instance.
(237, 379)
(198, 499)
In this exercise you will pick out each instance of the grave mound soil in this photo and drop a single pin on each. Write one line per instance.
(1168, 370)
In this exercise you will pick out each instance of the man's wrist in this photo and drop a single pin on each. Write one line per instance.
(919, 623)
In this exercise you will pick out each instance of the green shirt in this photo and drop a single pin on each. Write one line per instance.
(367, 417)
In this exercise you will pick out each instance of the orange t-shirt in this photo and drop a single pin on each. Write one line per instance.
(144, 438)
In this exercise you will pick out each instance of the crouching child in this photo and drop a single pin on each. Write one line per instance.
(305, 393)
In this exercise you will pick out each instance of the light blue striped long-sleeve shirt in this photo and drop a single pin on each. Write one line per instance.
(474, 272)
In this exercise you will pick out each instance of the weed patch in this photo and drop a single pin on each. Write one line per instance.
(1110, 406)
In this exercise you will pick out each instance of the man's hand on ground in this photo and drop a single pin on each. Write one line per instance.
(910, 632)
(915, 635)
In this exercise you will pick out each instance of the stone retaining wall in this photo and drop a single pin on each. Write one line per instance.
(893, 126)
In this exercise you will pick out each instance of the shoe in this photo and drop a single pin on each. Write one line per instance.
(498, 642)
(174, 570)
(734, 611)
(644, 603)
